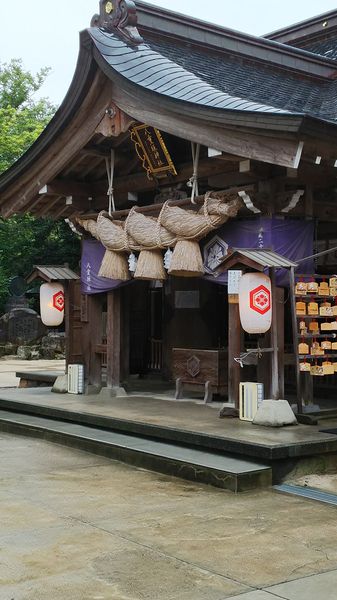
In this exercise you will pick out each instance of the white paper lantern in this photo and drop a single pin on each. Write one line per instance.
(52, 304)
(255, 302)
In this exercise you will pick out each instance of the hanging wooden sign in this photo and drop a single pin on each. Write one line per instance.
(301, 308)
(328, 368)
(303, 348)
(323, 289)
(301, 288)
(152, 151)
(313, 326)
(316, 350)
(312, 287)
(317, 370)
(312, 308)
(326, 311)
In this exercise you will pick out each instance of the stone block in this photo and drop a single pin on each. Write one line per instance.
(54, 341)
(112, 392)
(24, 352)
(274, 413)
(61, 385)
(21, 326)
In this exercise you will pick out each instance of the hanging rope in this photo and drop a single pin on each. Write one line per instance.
(193, 181)
(110, 167)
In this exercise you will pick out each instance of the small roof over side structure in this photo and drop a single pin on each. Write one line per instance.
(52, 273)
(255, 258)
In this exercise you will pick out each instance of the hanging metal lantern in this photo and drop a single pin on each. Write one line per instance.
(52, 304)
(255, 302)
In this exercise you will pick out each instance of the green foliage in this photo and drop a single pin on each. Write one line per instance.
(25, 240)
(21, 117)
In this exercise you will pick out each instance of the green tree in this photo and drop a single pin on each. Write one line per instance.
(22, 118)
(24, 239)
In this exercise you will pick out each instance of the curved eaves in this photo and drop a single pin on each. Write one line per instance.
(150, 70)
(81, 82)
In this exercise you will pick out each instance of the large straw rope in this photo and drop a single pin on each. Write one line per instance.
(141, 232)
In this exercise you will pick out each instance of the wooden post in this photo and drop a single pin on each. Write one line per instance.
(295, 339)
(234, 349)
(125, 332)
(264, 364)
(94, 331)
(274, 339)
(306, 381)
(280, 338)
(68, 292)
(114, 338)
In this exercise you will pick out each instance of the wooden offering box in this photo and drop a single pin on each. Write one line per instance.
(200, 367)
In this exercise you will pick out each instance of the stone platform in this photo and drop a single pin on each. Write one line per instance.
(184, 424)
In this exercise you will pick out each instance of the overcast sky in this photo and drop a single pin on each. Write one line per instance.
(45, 33)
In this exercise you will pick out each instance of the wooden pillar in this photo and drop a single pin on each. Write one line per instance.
(114, 338)
(95, 323)
(264, 365)
(307, 381)
(280, 338)
(125, 332)
(295, 340)
(68, 292)
(274, 339)
(92, 335)
(234, 349)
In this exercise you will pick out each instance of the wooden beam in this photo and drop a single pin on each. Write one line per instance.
(232, 178)
(309, 202)
(154, 209)
(94, 151)
(48, 206)
(137, 182)
(256, 145)
(68, 187)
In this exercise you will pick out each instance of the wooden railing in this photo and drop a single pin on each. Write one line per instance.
(156, 355)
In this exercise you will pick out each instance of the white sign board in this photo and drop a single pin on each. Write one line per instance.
(233, 281)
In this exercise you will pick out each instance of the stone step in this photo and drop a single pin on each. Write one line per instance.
(221, 470)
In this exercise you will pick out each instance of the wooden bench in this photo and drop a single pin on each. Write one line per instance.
(30, 379)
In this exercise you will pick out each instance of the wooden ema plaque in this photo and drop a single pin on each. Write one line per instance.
(314, 299)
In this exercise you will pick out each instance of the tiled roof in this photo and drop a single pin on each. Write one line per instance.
(149, 68)
(255, 81)
(216, 79)
(324, 47)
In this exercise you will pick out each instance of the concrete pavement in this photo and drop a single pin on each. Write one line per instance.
(9, 365)
(82, 527)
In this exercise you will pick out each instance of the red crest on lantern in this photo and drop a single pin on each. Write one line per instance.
(259, 299)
